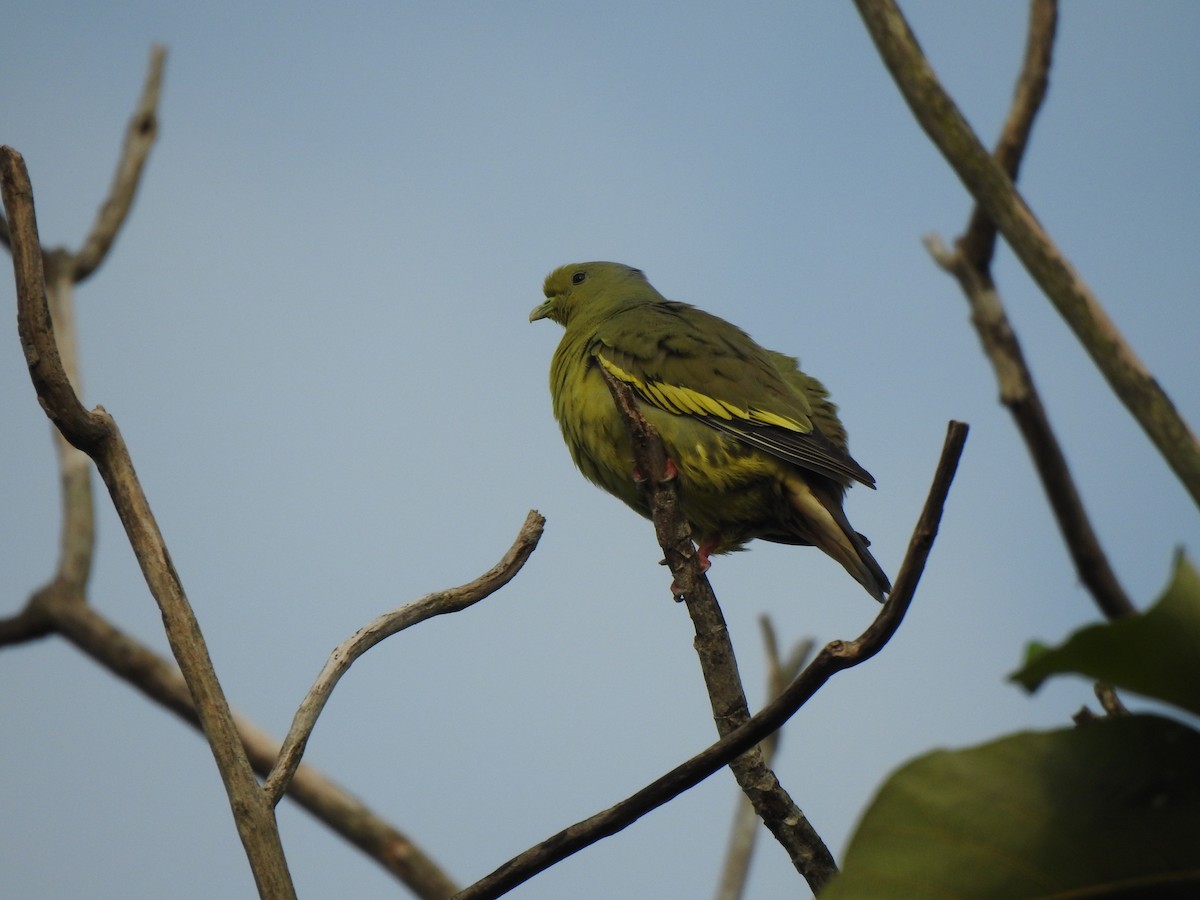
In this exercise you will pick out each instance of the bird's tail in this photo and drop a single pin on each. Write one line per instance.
(823, 524)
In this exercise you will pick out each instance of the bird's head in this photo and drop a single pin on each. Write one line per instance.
(582, 290)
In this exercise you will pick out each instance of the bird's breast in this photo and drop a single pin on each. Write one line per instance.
(591, 425)
(722, 482)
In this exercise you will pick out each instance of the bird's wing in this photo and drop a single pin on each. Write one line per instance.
(687, 362)
(824, 411)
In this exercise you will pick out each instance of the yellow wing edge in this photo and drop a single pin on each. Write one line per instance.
(685, 401)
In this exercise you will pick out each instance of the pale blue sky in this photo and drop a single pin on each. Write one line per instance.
(313, 334)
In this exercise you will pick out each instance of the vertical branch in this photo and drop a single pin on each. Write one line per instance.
(744, 832)
(96, 434)
(970, 264)
(63, 270)
(61, 605)
(78, 539)
(979, 242)
(774, 806)
(996, 195)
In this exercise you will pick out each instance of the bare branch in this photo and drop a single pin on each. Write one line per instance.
(139, 138)
(1107, 695)
(979, 241)
(771, 801)
(78, 533)
(744, 832)
(1109, 702)
(61, 605)
(970, 264)
(62, 270)
(159, 680)
(1020, 395)
(96, 434)
(833, 658)
(50, 380)
(435, 604)
(993, 189)
(29, 624)
(1084, 716)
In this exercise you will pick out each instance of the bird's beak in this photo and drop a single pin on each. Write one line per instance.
(541, 311)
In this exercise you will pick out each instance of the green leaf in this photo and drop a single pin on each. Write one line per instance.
(1156, 653)
(1111, 808)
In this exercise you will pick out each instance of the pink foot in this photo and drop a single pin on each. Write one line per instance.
(669, 472)
(702, 553)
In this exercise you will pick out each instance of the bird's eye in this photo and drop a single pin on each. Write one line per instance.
(579, 278)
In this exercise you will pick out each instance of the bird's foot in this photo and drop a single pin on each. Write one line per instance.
(705, 564)
(670, 473)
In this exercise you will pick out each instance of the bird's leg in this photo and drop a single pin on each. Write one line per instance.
(669, 472)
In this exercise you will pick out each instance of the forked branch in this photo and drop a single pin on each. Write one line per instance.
(994, 191)
(970, 264)
(97, 435)
(833, 658)
(61, 605)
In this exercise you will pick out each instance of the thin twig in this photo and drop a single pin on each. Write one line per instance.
(96, 434)
(781, 671)
(1083, 716)
(782, 816)
(970, 264)
(1107, 695)
(833, 658)
(78, 540)
(1019, 394)
(139, 138)
(743, 834)
(436, 604)
(979, 242)
(993, 189)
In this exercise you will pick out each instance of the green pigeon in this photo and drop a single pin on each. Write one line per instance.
(755, 443)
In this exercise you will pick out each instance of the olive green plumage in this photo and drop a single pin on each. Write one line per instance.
(757, 444)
